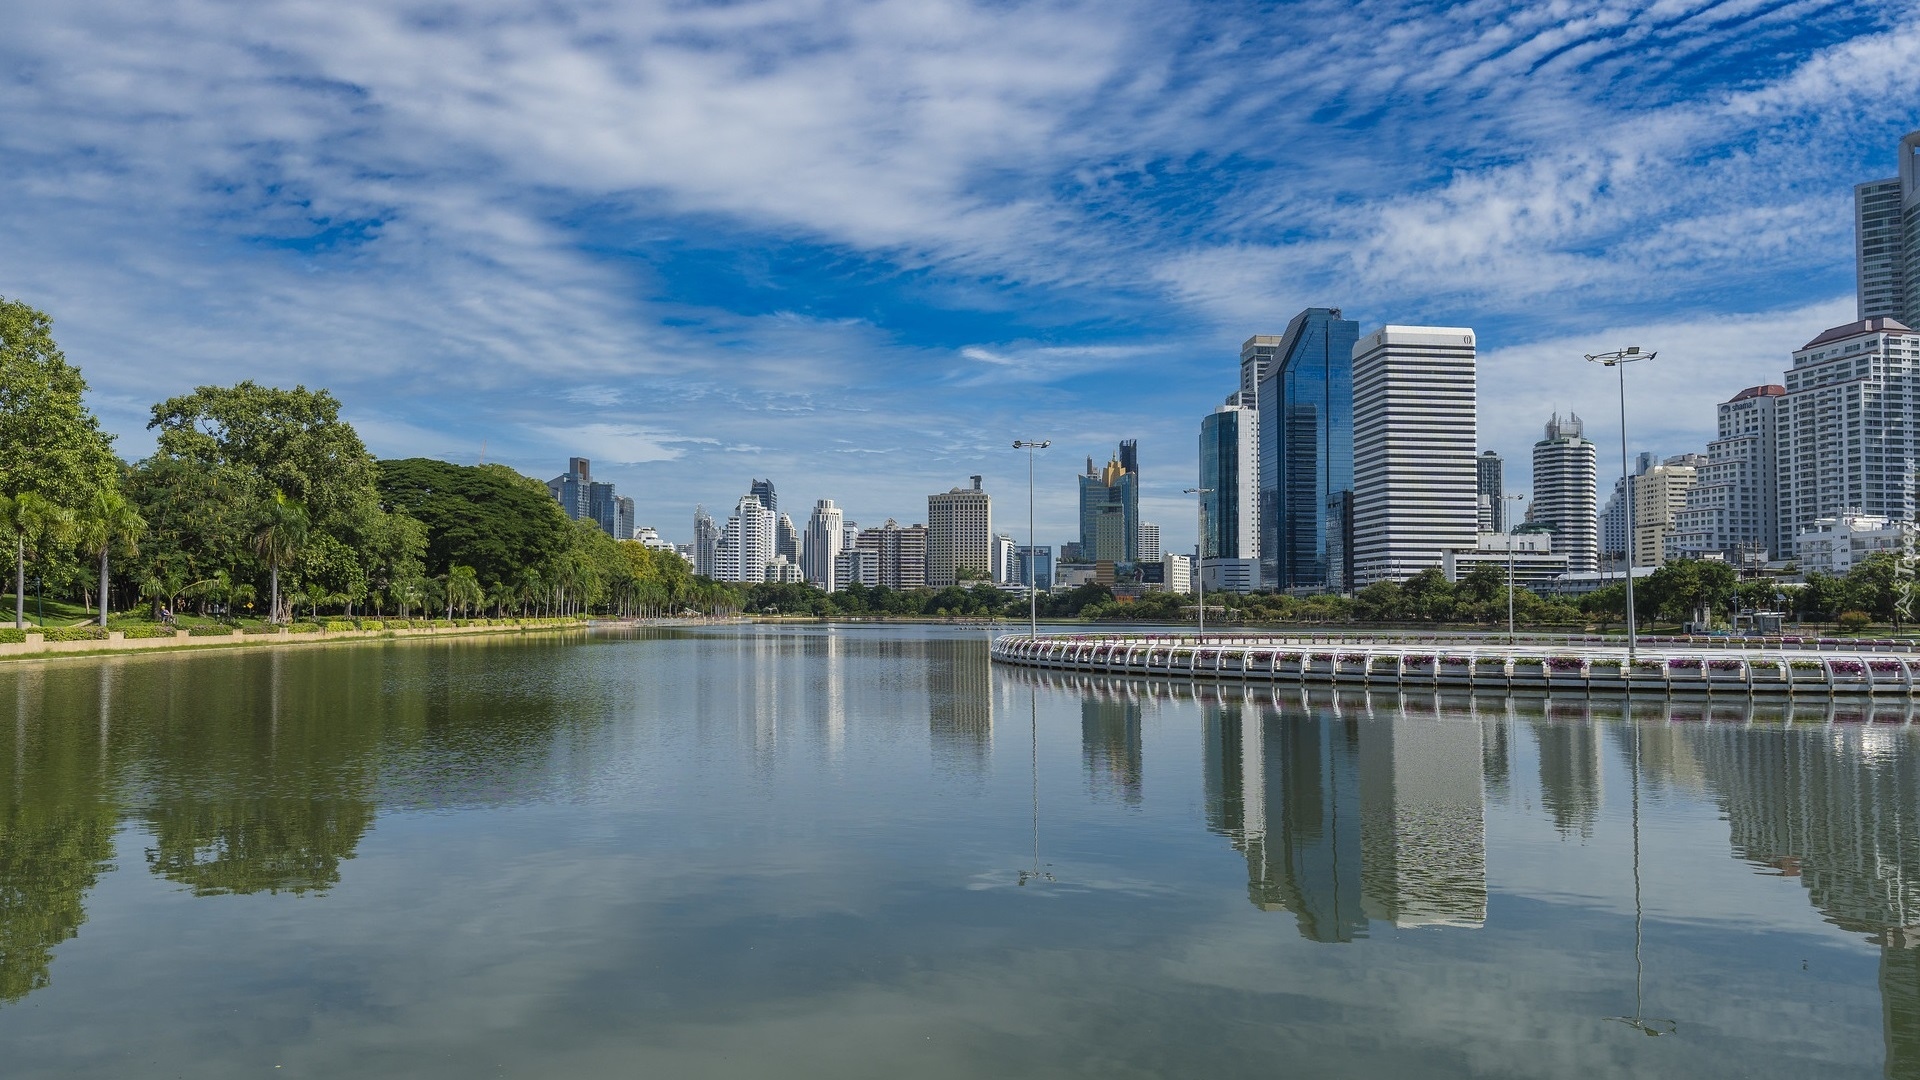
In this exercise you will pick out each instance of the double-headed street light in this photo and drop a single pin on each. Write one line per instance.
(1200, 552)
(1618, 359)
(1033, 579)
(1509, 524)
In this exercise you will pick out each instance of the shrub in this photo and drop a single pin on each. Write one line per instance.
(210, 631)
(1646, 665)
(74, 633)
(1854, 620)
(1530, 661)
(1420, 661)
(13, 635)
(372, 624)
(304, 628)
(1805, 665)
(260, 628)
(1491, 661)
(1607, 662)
(1454, 661)
(136, 633)
(336, 626)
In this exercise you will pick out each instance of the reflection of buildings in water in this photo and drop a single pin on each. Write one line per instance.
(1838, 808)
(1342, 820)
(960, 700)
(1110, 745)
(1570, 774)
(1496, 754)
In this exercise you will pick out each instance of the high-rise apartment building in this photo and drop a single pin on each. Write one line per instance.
(898, 555)
(1415, 484)
(1887, 240)
(748, 544)
(706, 541)
(1659, 495)
(959, 536)
(1110, 508)
(1731, 510)
(762, 490)
(786, 539)
(1306, 404)
(1492, 487)
(825, 530)
(622, 518)
(1613, 519)
(1563, 492)
(1230, 482)
(1005, 570)
(1848, 427)
(1149, 545)
(1256, 359)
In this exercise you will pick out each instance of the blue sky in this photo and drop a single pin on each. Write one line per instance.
(860, 247)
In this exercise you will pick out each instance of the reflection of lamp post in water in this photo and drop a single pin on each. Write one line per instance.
(1033, 713)
(1646, 1025)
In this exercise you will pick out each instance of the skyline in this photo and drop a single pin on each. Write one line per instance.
(781, 239)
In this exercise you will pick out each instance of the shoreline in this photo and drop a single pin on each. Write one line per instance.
(115, 644)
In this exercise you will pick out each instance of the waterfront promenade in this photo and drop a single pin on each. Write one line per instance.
(1580, 665)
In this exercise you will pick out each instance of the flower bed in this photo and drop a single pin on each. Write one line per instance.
(1564, 663)
(1454, 661)
(1420, 661)
(1607, 662)
(1723, 665)
(1684, 663)
(1491, 661)
(1891, 667)
(1806, 665)
(1847, 667)
(1647, 665)
(1322, 657)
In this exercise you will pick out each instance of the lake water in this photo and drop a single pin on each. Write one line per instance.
(861, 851)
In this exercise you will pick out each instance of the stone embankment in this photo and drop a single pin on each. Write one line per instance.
(70, 640)
(1743, 666)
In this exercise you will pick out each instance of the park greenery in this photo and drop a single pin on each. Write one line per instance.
(263, 504)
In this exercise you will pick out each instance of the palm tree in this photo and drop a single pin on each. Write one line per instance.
(34, 522)
(463, 589)
(281, 533)
(110, 522)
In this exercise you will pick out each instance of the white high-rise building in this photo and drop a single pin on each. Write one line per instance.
(1731, 509)
(1230, 479)
(1613, 519)
(706, 540)
(1006, 566)
(1887, 240)
(726, 552)
(959, 536)
(786, 539)
(1415, 483)
(1256, 356)
(826, 531)
(1849, 426)
(1563, 492)
(1659, 495)
(1149, 542)
(748, 545)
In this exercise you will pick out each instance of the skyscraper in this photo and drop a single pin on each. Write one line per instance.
(1110, 509)
(1563, 492)
(1306, 446)
(1414, 479)
(1887, 240)
(1149, 546)
(1732, 509)
(1035, 565)
(897, 555)
(763, 491)
(1659, 495)
(706, 539)
(1492, 492)
(1230, 478)
(1613, 519)
(959, 536)
(1256, 359)
(1849, 426)
(570, 488)
(825, 530)
(748, 545)
(786, 539)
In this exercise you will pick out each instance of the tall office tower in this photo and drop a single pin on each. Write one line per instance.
(1613, 519)
(825, 532)
(602, 510)
(1886, 240)
(959, 536)
(1659, 495)
(726, 552)
(763, 491)
(899, 554)
(570, 488)
(1036, 565)
(1230, 482)
(751, 533)
(786, 539)
(1149, 545)
(1849, 426)
(706, 537)
(1110, 509)
(622, 518)
(1414, 480)
(1563, 492)
(1256, 359)
(1306, 446)
(1731, 509)
(1492, 473)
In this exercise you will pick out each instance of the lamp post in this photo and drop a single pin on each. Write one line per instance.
(1510, 634)
(1618, 359)
(1033, 580)
(1200, 552)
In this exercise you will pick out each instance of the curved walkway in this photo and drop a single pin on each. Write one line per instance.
(1747, 666)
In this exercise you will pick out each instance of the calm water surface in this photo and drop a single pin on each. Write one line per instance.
(861, 851)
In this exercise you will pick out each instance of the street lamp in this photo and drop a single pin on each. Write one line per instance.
(1516, 499)
(1033, 580)
(1618, 359)
(1200, 553)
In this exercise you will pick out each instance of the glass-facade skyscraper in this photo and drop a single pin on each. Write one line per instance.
(1229, 476)
(1110, 508)
(1306, 448)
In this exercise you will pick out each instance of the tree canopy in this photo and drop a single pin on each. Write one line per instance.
(488, 517)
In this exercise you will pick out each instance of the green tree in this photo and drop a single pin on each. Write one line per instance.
(486, 516)
(463, 590)
(50, 444)
(36, 525)
(277, 539)
(110, 523)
